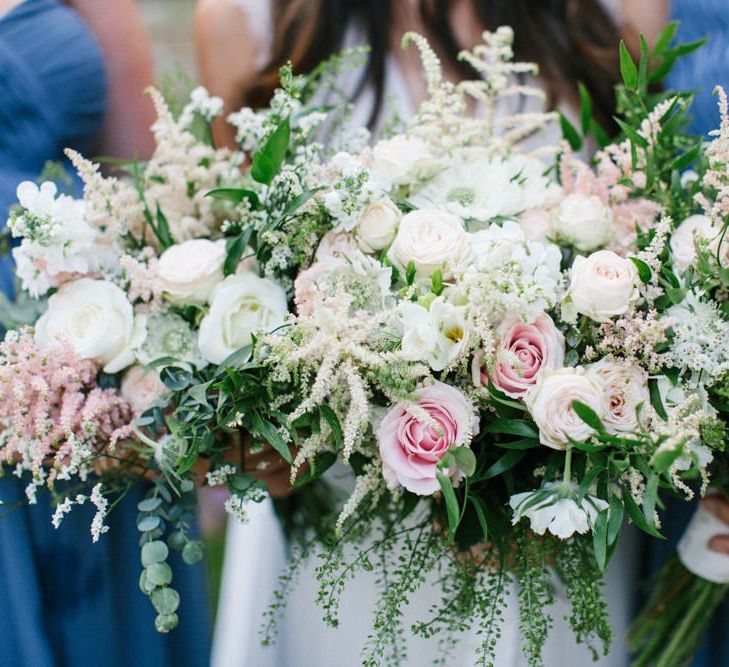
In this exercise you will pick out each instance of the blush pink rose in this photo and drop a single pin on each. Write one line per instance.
(411, 448)
(525, 349)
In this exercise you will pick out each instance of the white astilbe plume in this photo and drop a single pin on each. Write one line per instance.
(717, 175)
(446, 121)
(369, 482)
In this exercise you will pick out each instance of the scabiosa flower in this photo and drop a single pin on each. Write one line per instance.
(557, 508)
(168, 335)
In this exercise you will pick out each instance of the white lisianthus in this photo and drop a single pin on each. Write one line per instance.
(142, 388)
(557, 508)
(377, 227)
(550, 405)
(436, 336)
(477, 187)
(400, 161)
(430, 239)
(96, 319)
(626, 392)
(602, 286)
(584, 221)
(190, 271)
(683, 240)
(241, 305)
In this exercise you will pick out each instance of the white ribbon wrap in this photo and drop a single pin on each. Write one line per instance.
(694, 552)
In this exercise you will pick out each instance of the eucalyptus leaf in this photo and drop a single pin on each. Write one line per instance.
(165, 600)
(154, 552)
(159, 574)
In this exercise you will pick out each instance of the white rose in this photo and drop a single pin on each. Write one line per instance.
(241, 305)
(141, 388)
(400, 160)
(536, 224)
(550, 405)
(602, 285)
(96, 319)
(584, 221)
(190, 271)
(377, 227)
(431, 239)
(626, 394)
(683, 240)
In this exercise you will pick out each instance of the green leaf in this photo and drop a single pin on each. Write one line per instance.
(410, 272)
(236, 195)
(644, 271)
(499, 396)
(524, 443)
(270, 434)
(686, 159)
(636, 516)
(165, 600)
(650, 496)
(267, 162)
(504, 464)
(599, 539)
(520, 427)
(330, 417)
(193, 552)
(234, 249)
(437, 282)
(588, 415)
(570, 133)
(317, 468)
(630, 132)
(665, 38)
(481, 516)
(159, 574)
(656, 401)
(628, 69)
(175, 378)
(149, 504)
(465, 459)
(154, 552)
(451, 502)
(148, 523)
(643, 65)
(585, 108)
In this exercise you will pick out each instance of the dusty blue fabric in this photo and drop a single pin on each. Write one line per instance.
(63, 600)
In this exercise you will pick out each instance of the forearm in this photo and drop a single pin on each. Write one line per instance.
(128, 61)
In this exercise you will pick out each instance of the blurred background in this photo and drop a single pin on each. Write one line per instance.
(169, 23)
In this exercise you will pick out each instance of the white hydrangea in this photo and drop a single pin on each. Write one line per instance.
(511, 273)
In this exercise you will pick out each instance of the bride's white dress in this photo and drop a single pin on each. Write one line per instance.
(256, 552)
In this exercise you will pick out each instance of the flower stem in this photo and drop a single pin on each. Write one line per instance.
(568, 466)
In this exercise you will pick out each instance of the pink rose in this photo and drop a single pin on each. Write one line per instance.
(523, 351)
(142, 388)
(411, 448)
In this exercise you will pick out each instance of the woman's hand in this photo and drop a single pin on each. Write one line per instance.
(718, 505)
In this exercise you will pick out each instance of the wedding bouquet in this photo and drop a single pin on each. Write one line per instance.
(510, 349)
(126, 285)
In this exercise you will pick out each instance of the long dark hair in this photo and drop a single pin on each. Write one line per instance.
(570, 40)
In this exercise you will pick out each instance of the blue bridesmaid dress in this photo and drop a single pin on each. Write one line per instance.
(699, 72)
(63, 600)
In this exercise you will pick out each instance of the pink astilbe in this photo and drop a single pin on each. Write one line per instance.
(606, 183)
(144, 283)
(52, 407)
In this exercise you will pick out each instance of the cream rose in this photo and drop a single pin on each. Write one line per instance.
(683, 240)
(96, 319)
(584, 221)
(430, 239)
(377, 227)
(400, 160)
(550, 405)
(190, 271)
(141, 388)
(241, 305)
(626, 394)
(602, 285)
